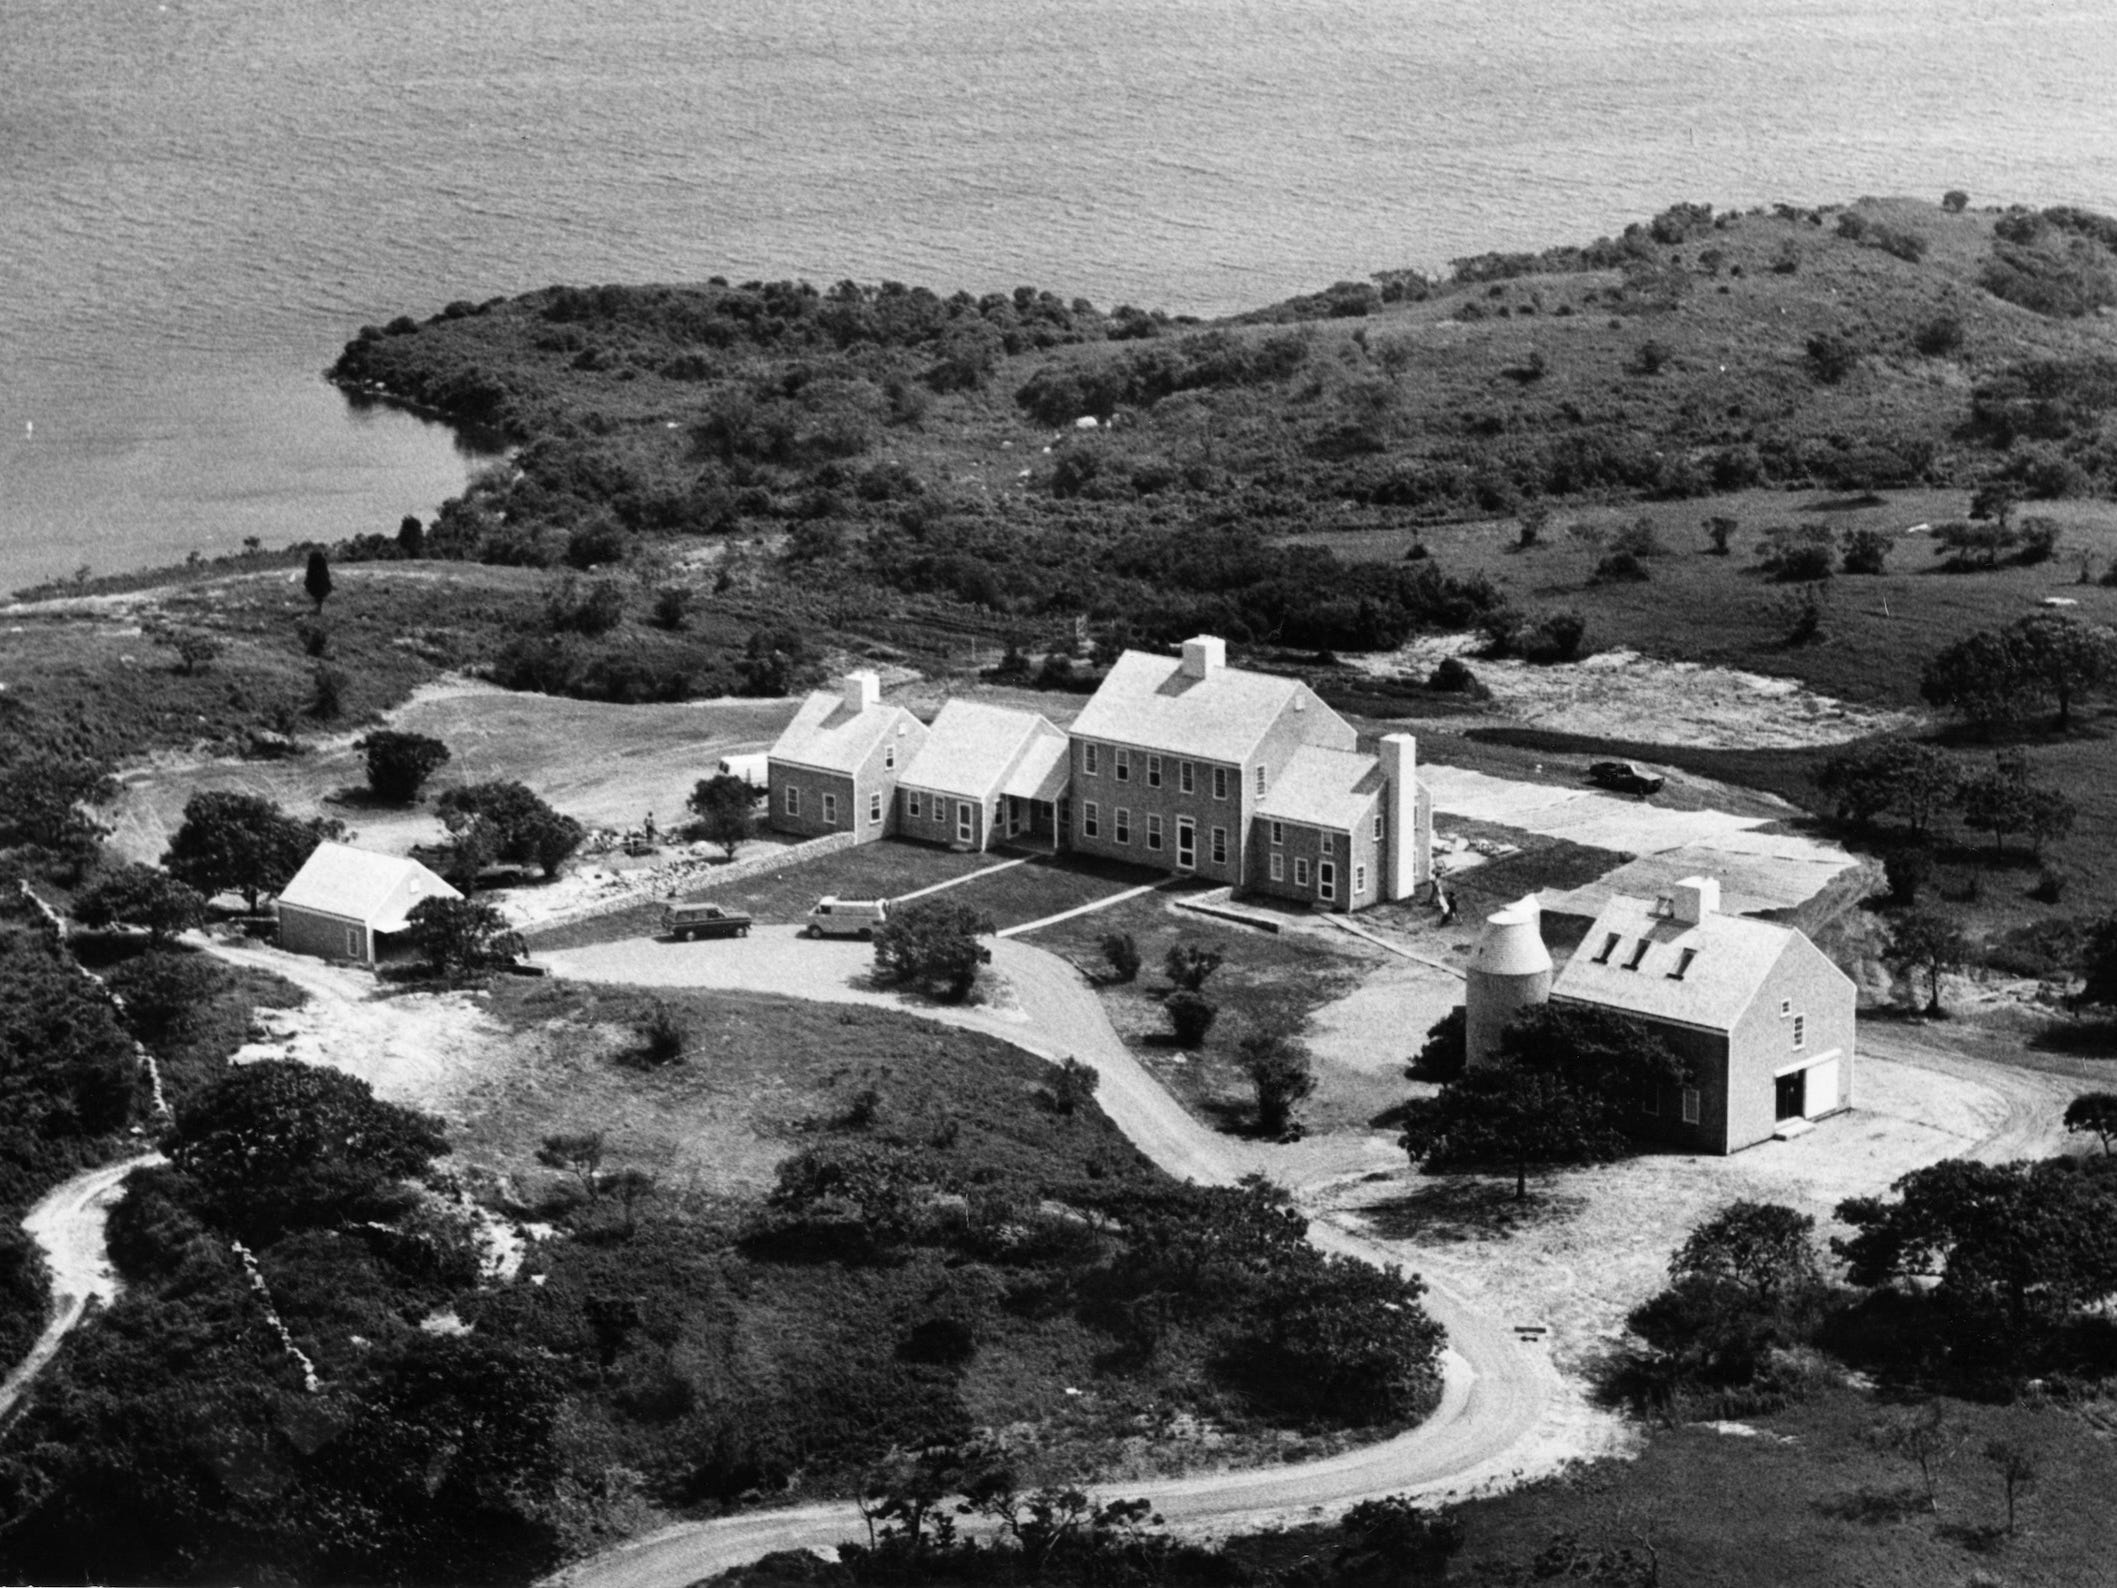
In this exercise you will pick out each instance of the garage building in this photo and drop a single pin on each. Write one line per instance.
(348, 903)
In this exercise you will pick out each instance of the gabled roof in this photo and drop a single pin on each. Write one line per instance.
(1323, 788)
(1731, 958)
(1149, 701)
(1043, 771)
(827, 736)
(377, 890)
(971, 748)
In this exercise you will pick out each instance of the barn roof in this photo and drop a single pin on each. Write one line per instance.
(1642, 962)
(361, 885)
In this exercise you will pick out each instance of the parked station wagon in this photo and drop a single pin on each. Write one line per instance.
(704, 920)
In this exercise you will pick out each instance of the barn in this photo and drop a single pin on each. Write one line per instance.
(348, 903)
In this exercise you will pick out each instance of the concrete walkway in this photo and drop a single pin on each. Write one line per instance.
(1081, 909)
(957, 882)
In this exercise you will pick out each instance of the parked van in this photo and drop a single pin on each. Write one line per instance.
(836, 917)
(751, 768)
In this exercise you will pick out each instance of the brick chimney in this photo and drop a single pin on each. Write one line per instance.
(862, 690)
(1204, 656)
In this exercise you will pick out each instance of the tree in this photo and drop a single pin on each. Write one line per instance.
(1762, 1249)
(1121, 952)
(2061, 659)
(1279, 1069)
(525, 829)
(1998, 802)
(1980, 678)
(726, 808)
(1928, 1438)
(580, 1154)
(49, 800)
(136, 895)
(1995, 500)
(630, 1187)
(1914, 782)
(2096, 1112)
(934, 943)
(1866, 551)
(1189, 966)
(411, 538)
(2099, 963)
(1568, 1075)
(1832, 357)
(1930, 942)
(317, 579)
(1446, 1050)
(473, 845)
(1979, 540)
(461, 937)
(195, 649)
(1955, 201)
(399, 763)
(2018, 1464)
(1073, 1085)
(1720, 531)
(280, 1143)
(2051, 814)
(550, 840)
(242, 843)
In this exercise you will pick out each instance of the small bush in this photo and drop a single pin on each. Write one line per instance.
(663, 1035)
(2039, 540)
(1955, 201)
(1189, 966)
(1940, 337)
(1190, 1017)
(327, 688)
(315, 638)
(2051, 880)
(1454, 677)
(1831, 357)
(1639, 538)
(672, 606)
(1557, 637)
(1620, 567)
(1866, 551)
(1908, 868)
(1720, 531)
(1121, 953)
(1798, 553)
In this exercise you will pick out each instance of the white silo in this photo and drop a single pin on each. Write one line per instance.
(1510, 971)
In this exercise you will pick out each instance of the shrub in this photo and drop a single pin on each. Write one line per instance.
(142, 896)
(1803, 609)
(2051, 880)
(1121, 952)
(596, 545)
(315, 638)
(1955, 201)
(663, 1035)
(1908, 868)
(2039, 540)
(461, 937)
(934, 943)
(1866, 551)
(1281, 1073)
(1639, 538)
(1190, 1016)
(672, 606)
(1620, 567)
(1556, 637)
(399, 763)
(1454, 677)
(596, 610)
(1831, 357)
(1940, 337)
(327, 686)
(1720, 530)
(1798, 553)
(1189, 966)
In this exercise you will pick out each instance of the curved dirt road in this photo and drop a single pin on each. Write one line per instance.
(1495, 1389)
(68, 1224)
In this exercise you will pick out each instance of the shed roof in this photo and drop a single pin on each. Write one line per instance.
(1043, 771)
(1149, 701)
(361, 885)
(1731, 957)
(971, 748)
(1323, 788)
(828, 736)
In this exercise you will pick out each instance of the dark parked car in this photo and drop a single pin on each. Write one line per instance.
(704, 920)
(1626, 777)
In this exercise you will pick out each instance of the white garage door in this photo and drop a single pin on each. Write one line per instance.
(1820, 1095)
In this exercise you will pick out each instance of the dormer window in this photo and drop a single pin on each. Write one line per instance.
(1609, 947)
(1639, 953)
(1683, 963)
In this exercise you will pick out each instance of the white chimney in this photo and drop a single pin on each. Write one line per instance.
(1406, 858)
(1694, 898)
(862, 690)
(1204, 656)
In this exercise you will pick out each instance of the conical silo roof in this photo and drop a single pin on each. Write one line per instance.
(1513, 941)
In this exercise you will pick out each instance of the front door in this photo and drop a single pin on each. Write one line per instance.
(1186, 843)
(1327, 881)
(962, 821)
(1786, 1096)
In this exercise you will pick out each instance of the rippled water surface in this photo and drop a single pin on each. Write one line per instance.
(200, 200)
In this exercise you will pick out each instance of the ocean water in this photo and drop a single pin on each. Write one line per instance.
(200, 200)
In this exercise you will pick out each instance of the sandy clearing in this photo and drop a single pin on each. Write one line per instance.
(1620, 694)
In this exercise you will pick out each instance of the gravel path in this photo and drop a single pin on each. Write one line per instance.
(1496, 1388)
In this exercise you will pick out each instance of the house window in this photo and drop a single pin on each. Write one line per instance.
(1220, 846)
(1124, 766)
(1638, 954)
(1153, 831)
(1260, 777)
(1091, 818)
(1124, 825)
(1186, 778)
(1153, 771)
(889, 756)
(1279, 868)
(1328, 843)
(1609, 947)
(940, 812)
(1092, 760)
(352, 942)
(874, 806)
(1650, 1101)
(1683, 963)
(1690, 1105)
(1378, 827)
(1300, 871)
(1278, 832)
(793, 805)
(1800, 1031)
(1220, 782)
(830, 810)
(911, 804)
(1359, 881)
(1326, 879)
